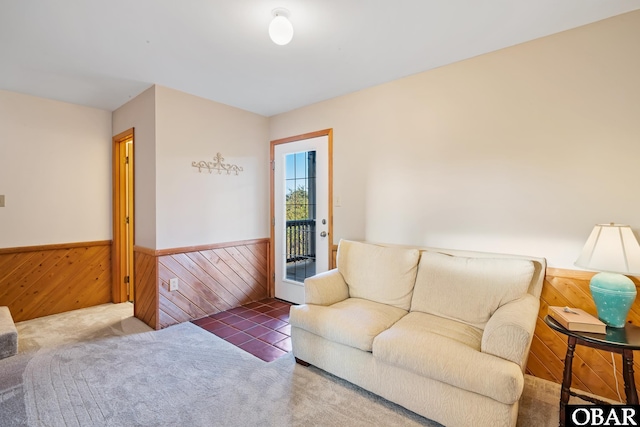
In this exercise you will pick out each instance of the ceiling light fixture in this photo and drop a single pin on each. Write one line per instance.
(280, 29)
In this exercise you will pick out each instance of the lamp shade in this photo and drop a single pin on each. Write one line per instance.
(612, 248)
(280, 29)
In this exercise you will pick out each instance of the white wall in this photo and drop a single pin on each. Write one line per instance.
(55, 172)
(175, 205)
(520, 150)
(200, 208)
(140, 114)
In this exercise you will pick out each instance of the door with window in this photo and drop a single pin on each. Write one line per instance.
(301, 212)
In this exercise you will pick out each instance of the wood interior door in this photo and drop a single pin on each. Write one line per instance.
(123, 217)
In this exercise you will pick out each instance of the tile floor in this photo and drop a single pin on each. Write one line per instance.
(260, 328)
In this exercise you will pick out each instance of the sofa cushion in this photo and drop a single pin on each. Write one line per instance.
(448, 351)
(354, 322)
(468, 289)
(377, 273)
(8, 334)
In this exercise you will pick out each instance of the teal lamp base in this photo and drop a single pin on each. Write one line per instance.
(613, 294)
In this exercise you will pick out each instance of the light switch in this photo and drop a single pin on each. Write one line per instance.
(1, 200)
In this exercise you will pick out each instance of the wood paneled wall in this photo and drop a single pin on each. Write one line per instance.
(211, 278)
(145, 288)
(38, 281)
(592, 369)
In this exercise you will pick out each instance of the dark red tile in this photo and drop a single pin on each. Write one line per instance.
(269, 353)
(221, 315)
(274, 324)
(284, 345)
(248, 314)
(257, 331)
(284, 310)
(238, 311)
(285, 330)
(254, 346)
(279, 304)
(260, 318)
(272, 337)
(263, 308)
(260, 328)
(262, 350)
(203, 321)
(271, 311)
(225, 331)
(230, 319)
(253, 305)
(242, 324)
(238, 322)
(281, 315)
(213, 325)
(239, 338)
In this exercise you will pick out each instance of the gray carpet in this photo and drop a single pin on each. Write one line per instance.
(180, 376)
(101, 367)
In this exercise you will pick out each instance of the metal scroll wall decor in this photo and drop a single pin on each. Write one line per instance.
(217, 165)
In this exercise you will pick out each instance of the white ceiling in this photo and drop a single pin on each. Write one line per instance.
(101, 53)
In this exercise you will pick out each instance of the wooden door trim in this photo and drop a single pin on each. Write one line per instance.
(272, 258)
(51, 247)
(199, 248)
(118, 258)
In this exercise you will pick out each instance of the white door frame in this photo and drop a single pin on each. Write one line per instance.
(329, 134)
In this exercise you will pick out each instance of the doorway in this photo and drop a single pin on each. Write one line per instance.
(123, 218)
(301, 211)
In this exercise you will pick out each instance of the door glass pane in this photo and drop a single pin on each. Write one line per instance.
(300, 209)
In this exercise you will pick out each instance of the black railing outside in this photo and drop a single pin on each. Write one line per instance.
(301, 236)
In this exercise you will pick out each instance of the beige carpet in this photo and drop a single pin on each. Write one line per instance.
(101, 366)
(102, 321)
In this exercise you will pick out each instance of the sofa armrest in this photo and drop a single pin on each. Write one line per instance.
(325, 288)
(509, 332)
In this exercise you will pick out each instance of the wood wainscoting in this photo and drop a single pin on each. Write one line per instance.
(37, 281)
(145, 305)
(592, 369)
(211, 278)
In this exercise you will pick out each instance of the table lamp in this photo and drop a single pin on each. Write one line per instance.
(613, 250)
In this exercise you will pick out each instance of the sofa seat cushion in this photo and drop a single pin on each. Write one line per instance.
(377, 273)
(468, 289)
(448, 351)
(353, 322)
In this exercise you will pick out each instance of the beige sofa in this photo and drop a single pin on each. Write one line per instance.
(443, 333)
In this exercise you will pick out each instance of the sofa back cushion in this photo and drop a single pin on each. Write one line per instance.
(468, 289)
(377, 273)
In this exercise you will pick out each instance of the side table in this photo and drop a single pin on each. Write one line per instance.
(616, 340)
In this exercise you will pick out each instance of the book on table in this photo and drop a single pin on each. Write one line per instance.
(575, 319)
